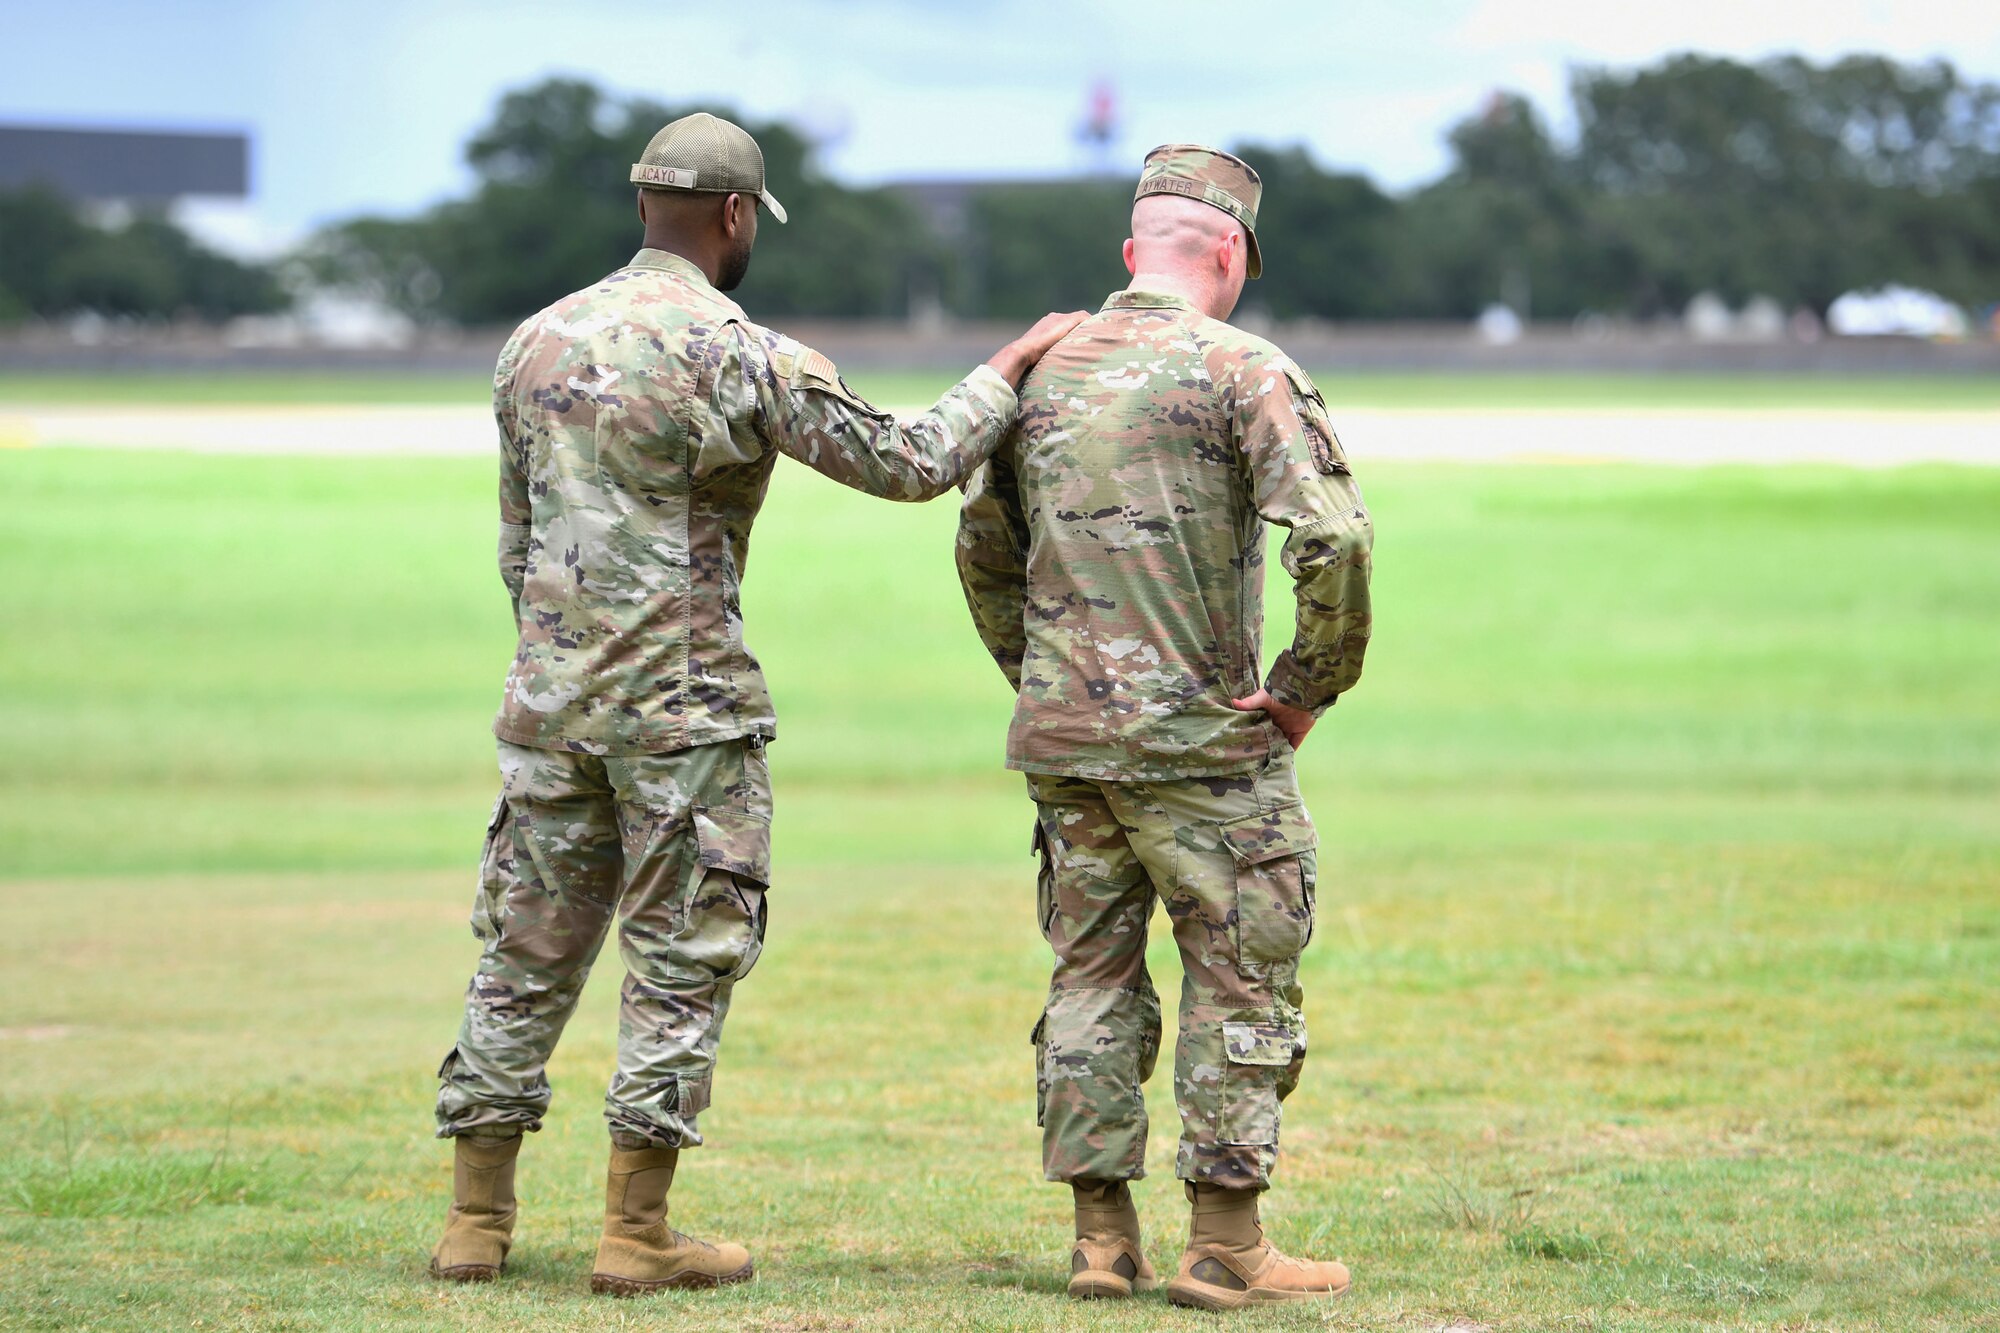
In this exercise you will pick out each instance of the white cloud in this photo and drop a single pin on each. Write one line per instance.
(236, 227)
(1625, 33)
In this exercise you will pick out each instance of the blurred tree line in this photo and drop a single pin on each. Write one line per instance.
(1795, 181)
(1783, 178)
(552, 212)
(54, 261)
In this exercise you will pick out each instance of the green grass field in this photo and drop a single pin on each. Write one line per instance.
(1657, 985)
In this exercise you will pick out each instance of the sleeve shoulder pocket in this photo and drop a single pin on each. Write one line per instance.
(1329, 459)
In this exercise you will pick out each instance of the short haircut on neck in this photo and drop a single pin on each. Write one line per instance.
(1171, 233)
(682, 210)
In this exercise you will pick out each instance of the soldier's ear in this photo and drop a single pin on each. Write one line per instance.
(732, 220)
(1130, 266)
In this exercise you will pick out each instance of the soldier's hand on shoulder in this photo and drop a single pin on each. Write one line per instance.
(1049, 330)
(1017, 358)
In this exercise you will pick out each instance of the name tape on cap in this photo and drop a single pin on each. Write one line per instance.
(674, 178)
(1207, 194)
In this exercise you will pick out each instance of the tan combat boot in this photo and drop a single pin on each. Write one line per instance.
(1108, 1260)
(1228, 1263)
(480, 1226)
(640, 1253)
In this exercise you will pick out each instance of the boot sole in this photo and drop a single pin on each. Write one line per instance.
(466, 1272)
(610, 1284)
(1201, 1296)
(1099, 1286)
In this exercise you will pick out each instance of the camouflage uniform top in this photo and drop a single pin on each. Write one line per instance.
(639, 422)
(1114, 562)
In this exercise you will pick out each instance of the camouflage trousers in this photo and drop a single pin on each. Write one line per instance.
(676, 848)
(1233, 859)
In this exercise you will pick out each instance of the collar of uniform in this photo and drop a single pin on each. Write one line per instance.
(669, 262)
(673, 263)
(1128, 299)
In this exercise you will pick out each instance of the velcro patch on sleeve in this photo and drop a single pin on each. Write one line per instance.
(785, 358)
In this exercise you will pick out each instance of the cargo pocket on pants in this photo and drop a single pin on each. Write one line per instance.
(1257, 1055)
(1045, 883)
(692, 1094)
(1041, 1070)
(496, 862)
(1275, 870)
(733, 849)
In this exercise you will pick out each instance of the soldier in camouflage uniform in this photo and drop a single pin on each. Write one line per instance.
(640, 419)
(1112, 553)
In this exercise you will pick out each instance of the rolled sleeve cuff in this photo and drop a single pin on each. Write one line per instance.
(1288, 685)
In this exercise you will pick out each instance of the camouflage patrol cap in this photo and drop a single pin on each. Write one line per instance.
(708, 155)
(1212, 176)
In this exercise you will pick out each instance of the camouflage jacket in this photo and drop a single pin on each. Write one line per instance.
(639, 422)
(1113, 555)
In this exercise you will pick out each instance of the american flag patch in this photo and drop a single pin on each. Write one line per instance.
(815, 366)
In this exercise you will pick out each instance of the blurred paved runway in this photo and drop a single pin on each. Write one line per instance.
(1694, 439)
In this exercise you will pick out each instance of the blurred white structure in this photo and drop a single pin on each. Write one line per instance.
(1762, 320)
(1499, 325)
(1896, 310)
(325, 319)
(1708, 319)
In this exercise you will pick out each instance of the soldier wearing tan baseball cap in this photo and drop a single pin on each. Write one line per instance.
(640, 418)
(706, 155)
(1221, 180)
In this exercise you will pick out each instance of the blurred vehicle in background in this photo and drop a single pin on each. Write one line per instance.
(1897, 310)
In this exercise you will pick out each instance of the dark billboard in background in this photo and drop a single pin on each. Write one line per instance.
(136, 165)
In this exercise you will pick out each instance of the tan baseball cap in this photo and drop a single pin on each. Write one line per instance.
(708, 155)
(1214, 177)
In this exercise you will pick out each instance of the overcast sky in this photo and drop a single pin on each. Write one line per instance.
(364, 105)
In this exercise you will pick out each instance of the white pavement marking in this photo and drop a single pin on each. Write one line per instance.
(1680, 438)
(1674, 437)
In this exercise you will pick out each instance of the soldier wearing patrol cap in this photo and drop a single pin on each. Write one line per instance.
(640, 419)
(1113, 558)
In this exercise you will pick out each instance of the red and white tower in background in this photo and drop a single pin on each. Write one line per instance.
(1098, 131)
